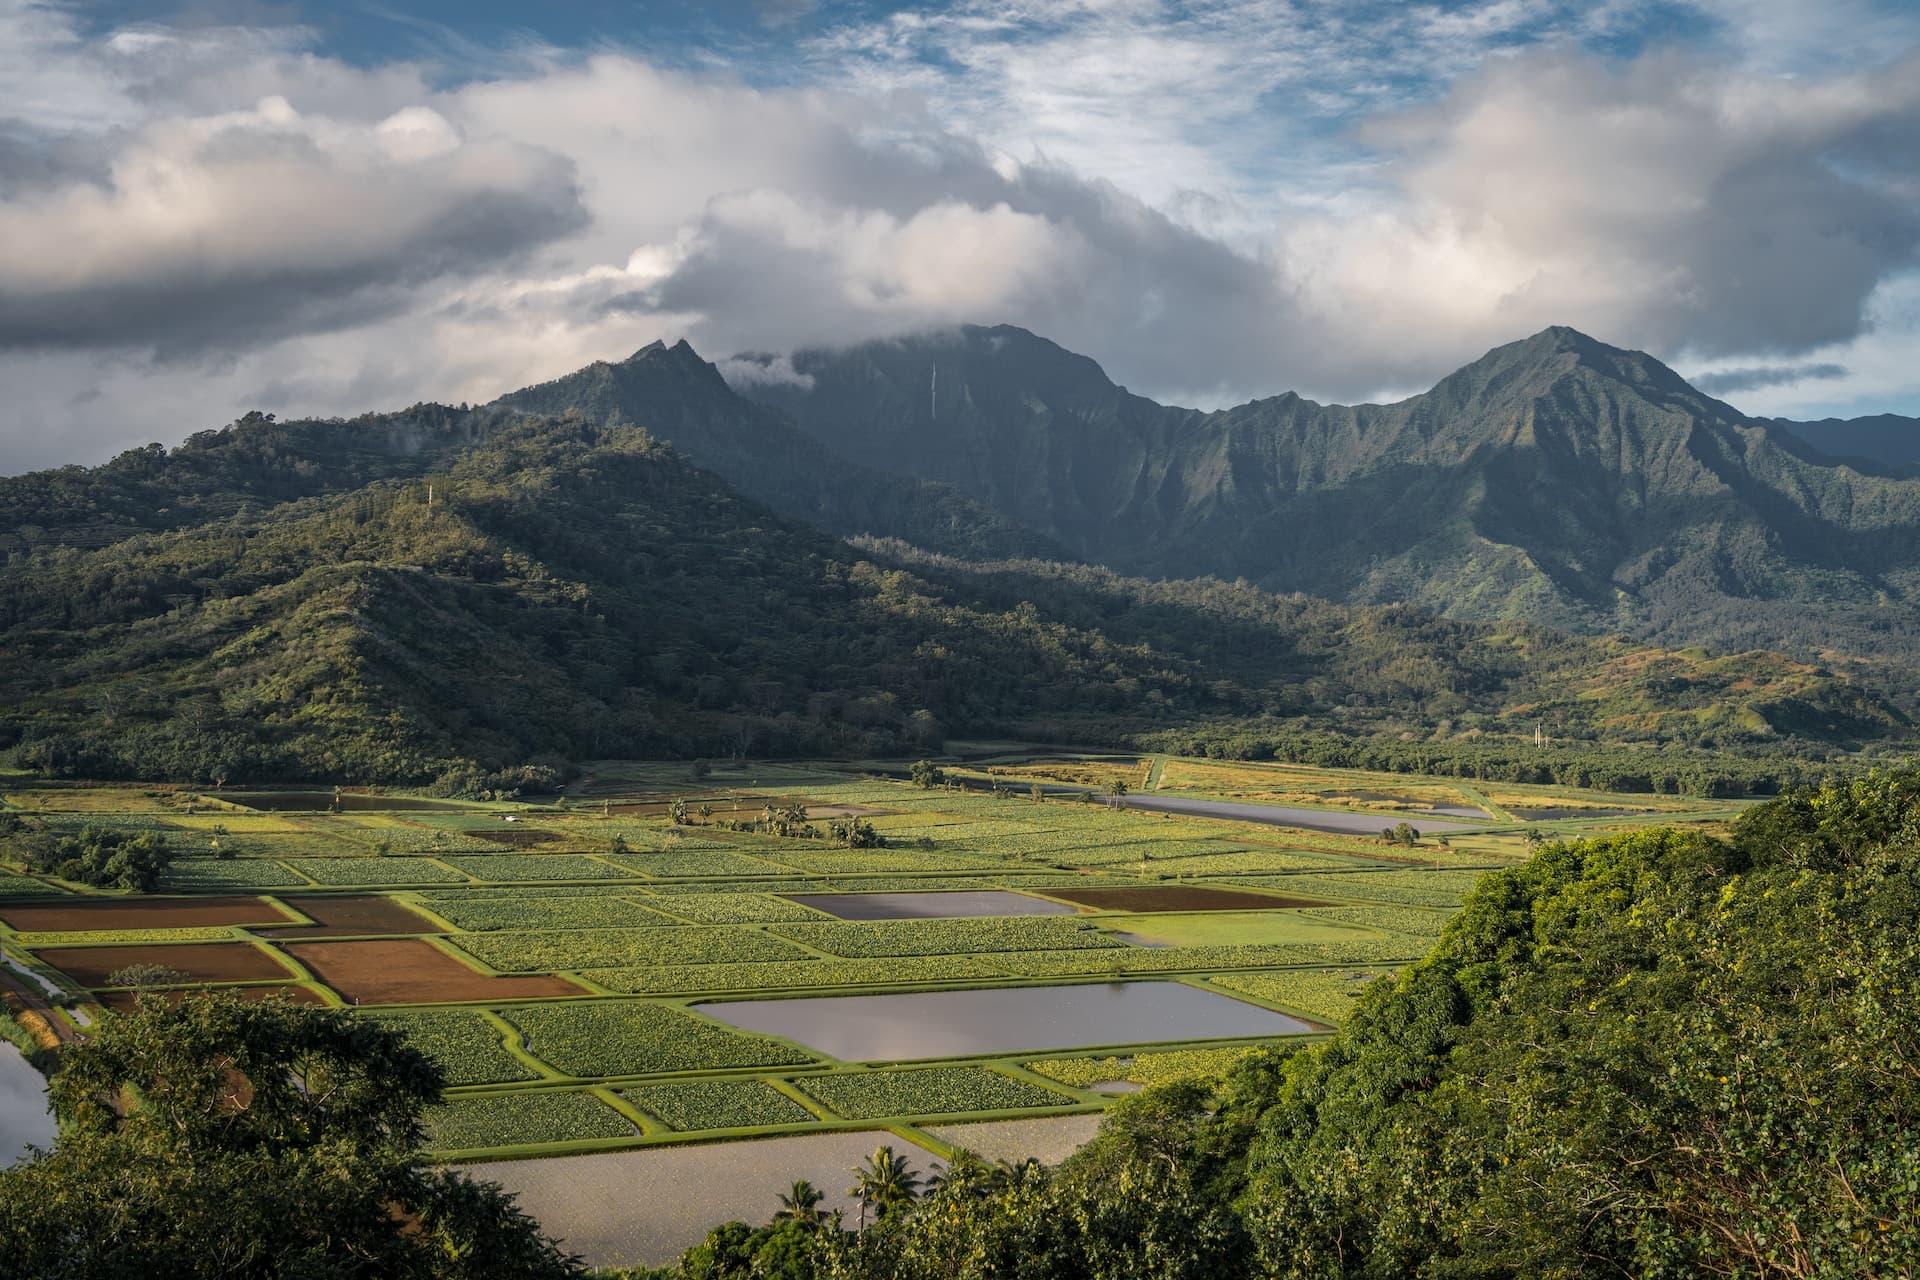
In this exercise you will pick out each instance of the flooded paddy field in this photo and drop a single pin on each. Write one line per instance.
(945, 1024)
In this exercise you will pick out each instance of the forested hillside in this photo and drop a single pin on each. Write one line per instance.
(1554, 480)
(562, 590)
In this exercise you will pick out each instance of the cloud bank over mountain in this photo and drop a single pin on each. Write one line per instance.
(196, 221)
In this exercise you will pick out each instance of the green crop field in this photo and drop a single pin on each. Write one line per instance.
(629, 1038)
(469, 1046)
(875, 1095)
(581, 933)
(719, 1104)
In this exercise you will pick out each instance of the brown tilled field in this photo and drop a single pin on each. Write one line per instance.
(411, 971)
(1178, 898)
(354, 916)
(150, 913)
(201, 961)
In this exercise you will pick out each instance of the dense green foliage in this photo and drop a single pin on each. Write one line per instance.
(98, 855)
(471, 599)
(1651, 1055)
(164, 1169)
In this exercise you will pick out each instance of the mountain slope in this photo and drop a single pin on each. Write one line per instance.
(1885, 438)
(681, 399)
(565, 590)
(1554, 479)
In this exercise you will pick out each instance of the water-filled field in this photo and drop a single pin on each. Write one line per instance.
(945, 1024)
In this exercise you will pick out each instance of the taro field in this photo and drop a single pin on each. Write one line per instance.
(645, 961)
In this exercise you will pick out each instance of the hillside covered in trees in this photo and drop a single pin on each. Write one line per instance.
(474, 597)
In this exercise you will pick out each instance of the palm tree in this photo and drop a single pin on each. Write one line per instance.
(801, 1202)
(966, 1171)
(885, 1182)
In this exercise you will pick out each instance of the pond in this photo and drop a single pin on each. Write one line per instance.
(934, 905)
(945, 1024)
(1350, 824)
(25, 1118)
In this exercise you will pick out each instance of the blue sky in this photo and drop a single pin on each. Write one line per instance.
(322, 208)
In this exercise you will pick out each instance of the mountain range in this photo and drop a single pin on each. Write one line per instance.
(459, 594)
(1556, 479)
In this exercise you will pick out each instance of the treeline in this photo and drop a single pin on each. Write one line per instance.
(1651, 771)
(1652, 1055)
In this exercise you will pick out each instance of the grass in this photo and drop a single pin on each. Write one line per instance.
(553, 951)
(510, 912)
(781, 975)
(1328, 994)
(718, 1104)
(505, 1120)
(864, 939)
(207, 875)
(1232, 928)
(498, 867)
(925, 1091)
(1141, 1069)
(468, 1045)
(632, 1038)
(365, 871)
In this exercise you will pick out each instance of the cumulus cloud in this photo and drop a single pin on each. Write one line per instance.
(192, 224)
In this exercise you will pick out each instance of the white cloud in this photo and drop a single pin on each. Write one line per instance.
(288, 232)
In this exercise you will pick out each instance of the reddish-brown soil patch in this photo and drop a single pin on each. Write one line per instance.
(411, 971)
(121, 1001)
(200, 961)
(148, 913)
(354, 916)
(1178, 898)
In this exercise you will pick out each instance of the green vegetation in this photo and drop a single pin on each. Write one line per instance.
(925, 1091)
(631, 1038)
(359, 871)
(782, 974)
(203, 875)
(506, 867)
(319, 1166)
(1652, 1054)
(574, 912)
(719, 1104)
(733, 908)
(1141, 1069)
(479, 1121)
(535, 951)
(98, 855)
(464, 1043)
(862, 939)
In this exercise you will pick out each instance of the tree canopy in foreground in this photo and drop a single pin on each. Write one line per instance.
(266, 1140)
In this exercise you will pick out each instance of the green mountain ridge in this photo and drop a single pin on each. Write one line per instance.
(1555, 479)
(510, 590)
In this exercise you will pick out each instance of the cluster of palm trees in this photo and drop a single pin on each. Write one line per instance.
(886, 1183)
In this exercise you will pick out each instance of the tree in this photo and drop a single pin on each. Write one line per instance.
(1118, 788)
(106, 858)
(885, 1182)
(218, 1138)
(1036, 793)
(801, 1202)
(926, 774)
(140, 977)
(677, 812)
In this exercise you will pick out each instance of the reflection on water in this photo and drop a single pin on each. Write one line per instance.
(1352, 824)
(25, 1119)
(943, 1024)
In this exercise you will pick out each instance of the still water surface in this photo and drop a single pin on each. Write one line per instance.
(944, 1024)
(25, 1119)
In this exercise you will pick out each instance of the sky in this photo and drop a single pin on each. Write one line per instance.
(217, 206)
